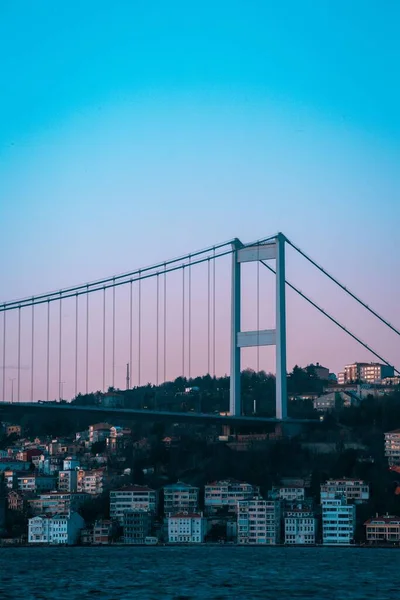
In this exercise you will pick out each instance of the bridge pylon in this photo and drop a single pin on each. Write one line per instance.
(272, 249)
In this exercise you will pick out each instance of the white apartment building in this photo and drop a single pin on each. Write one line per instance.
(187, 528)
(226, 494)
(59, 529)
(67, 481)
(350, 489)
(180, 497)
(293, 493)
(300, 527)
(338, 522)
(392, 447)
(133, 497)
(91, 482)
(258, 521)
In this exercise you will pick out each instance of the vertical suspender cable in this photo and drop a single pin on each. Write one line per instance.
(60, 351)
(87, 342)
(139, 326)
(190, 319)
(19, 356)
(76, 343)
(48, 351)
(208, 316)
(214, 314)
(4, 355)
(157, 327)
(258, 310)
(165, 322)
(113, 338)
(130, 331)
(104, 339)
(183, 321)
(32, 350)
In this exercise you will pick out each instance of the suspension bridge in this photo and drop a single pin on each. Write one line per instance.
(154, 324)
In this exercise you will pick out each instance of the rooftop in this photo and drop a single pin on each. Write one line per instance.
(134, 488)
(386, 519)
(186, 515)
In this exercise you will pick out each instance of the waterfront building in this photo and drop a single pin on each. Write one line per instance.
(136, 526)
(258, 521)
(58, 529)
(133, 497)
(180, 497)
(383, 529)
(350, 489)
(300, 527)
(338, 521)
(187, 528)
(226, 494)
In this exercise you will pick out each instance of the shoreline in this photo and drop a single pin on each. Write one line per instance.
(203, 545)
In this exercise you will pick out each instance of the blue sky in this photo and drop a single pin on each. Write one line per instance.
(135, 131)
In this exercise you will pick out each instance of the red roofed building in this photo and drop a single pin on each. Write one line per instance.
(186, 528)
(381, 530)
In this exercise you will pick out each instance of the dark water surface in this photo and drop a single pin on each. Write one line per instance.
(117, 573)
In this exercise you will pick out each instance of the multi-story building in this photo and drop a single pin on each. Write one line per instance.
(57, 502)
(71, 463)
(36, 483)
(13, 430)
(319, 371)
(338, 521)
(91, 482)
(99, 432)
(68, 481)
(49, 465)
(226, 494)
(58, 529)
(16, 500)
(300, 527)
(258, 521)
(180, 497)
(103, 531)
(137, 526)
(11, 464)
(392, 447)
(118, 439)
(292, 493)
(366, 372)
(133, 497)
(385, 529)
(187, 528)
(350, 489)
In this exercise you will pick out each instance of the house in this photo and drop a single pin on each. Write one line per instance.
(292, 493)
(133, 497)
(99, 432)
(186, 528)
(180, 497)
(383, 529)
(137, 526)
(258, 521)
(36, 483)
(300, 527)
(57, 502)
(392, 447)
(91, 482)
(226, 494)
(58, 529)
(351, 489)
(68, 481)
(338, 521)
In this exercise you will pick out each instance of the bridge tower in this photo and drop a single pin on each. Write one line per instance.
(273, 249)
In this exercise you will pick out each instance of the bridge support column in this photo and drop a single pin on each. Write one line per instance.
(281, 382)
(235, 405)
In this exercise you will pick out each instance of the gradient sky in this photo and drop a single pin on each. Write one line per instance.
(131, 132)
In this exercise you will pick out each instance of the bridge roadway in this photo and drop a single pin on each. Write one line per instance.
(136, 414)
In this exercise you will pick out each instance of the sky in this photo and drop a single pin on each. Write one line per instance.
(133, 132)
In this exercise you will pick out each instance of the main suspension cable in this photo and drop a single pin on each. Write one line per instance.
(321, 310)
(343, 287)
